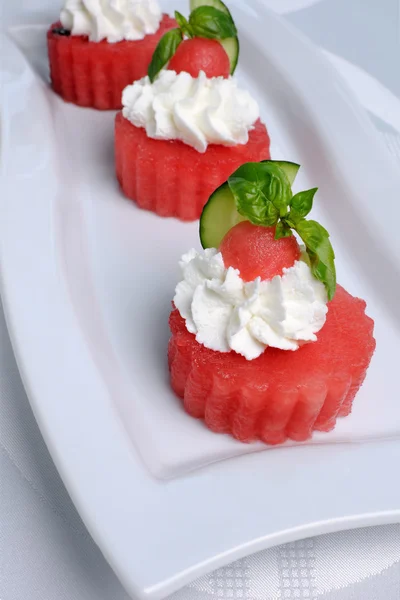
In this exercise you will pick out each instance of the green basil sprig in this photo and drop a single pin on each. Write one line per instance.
(301, 205)
(204, 21)
(184, 25)
(320, 252)
(164, 51)
(209, 22)
(263, 195)
(262, 192)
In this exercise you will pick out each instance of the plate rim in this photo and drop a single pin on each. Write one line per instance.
(18, 337)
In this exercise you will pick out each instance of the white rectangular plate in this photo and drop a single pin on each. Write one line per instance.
(87, 284)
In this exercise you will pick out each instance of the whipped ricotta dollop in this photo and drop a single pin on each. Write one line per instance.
(226, 313)
(113, 20)
(198, 111)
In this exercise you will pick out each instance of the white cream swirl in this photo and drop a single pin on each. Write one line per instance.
(226, 313)
(198, 111)
(113, 20)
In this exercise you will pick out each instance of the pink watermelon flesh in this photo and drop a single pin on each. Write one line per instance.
(280, 395)
(256, 253)
(173, 179)
(200, 54)
(95, 73)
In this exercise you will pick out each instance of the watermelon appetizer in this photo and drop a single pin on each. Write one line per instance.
(98, 47)
(265, 345)
(187, 126)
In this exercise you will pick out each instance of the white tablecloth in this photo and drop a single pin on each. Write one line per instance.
(46, 552)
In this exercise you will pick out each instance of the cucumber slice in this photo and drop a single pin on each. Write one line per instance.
(232, 48)
(289, 168)
(230, 45)
(218, 217)
(220, 213)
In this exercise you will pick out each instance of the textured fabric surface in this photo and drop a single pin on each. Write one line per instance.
(45, 550)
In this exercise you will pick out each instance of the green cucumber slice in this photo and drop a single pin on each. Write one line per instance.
(232, 48)
(230, 45)
(220, 213)
(218, 217)
(289, 168)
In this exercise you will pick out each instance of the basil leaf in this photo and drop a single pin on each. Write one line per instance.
(320, 251)
(164, 51)
(282, 231)
(183, 24)
(312, 234)
(301, 205)
(262, 192)
(324, 273)
(209, 22)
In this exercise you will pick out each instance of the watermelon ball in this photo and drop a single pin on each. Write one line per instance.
(200, 54)
(254, 250)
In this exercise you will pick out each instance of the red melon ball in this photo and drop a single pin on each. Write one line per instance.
(254, 250)
(200, 54)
